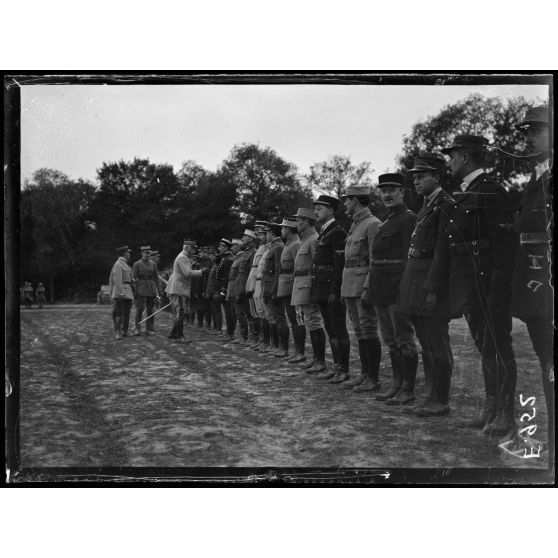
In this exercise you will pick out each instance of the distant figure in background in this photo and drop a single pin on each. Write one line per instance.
(27, 295)
(120, 283)
(40, 295)
(146, 277)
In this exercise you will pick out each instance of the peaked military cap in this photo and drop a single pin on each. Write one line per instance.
(535, 115)
(250, 233)
(122, 249)
(428, 163)
(275, 228)
(225, 242)
(288, 223)
(236, 241)
(358, 190)
(467, 141)
(145, 248)
(390, 180)
(306, 212)
(190, 243)
(261, 226)
(330, 201)
(154, 252)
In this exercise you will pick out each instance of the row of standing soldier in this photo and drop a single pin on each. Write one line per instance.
(461, 255)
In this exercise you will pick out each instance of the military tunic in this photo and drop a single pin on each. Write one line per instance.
(233, 276)
(286, 277)
(146, 277)
(302, 284)
(271, 268)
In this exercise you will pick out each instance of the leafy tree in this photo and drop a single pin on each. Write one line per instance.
(335, 175)
(266, 185)
(492, 118)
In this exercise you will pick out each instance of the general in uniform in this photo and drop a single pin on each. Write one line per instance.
(308, 313)
(430, 317)
(473, 262)
(237, 249)
(224, 264)
(146, 281)
(533, 284)
(120, 284)
(258, 329)
(179, 287)
(327, 270)
(389, 255)
(358, 255)
(285, 287)
(241, 296)
(257, 303)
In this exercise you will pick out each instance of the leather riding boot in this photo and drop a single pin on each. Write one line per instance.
(266, 333)
(409, 364)
(429, 387)
(504, 423)
(283, 334)
(486, 416)
(396, 370)
(373, 350)
(317, 337)
(363, 354)
(274, 335)
(438, 403)
(334, 345)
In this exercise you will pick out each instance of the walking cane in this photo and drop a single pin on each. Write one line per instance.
(145, 319)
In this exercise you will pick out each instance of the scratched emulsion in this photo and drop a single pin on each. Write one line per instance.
(89, 400)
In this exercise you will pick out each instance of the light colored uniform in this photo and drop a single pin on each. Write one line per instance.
(258, 293)
(120, 280)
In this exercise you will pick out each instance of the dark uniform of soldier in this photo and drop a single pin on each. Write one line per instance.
(221, 282)
(474, 263)
(327, 269)
(146, 289)
(431, 321)
(40, 295)
(389, 255)
(275, 312)
(209, 293)
(533, 285)
(241, 305)
(203, 310)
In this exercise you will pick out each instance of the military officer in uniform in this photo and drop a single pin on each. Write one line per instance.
(120, 283)
(431, 321)
(237, 248)
(27, 294)
(473, 262)
(358, 255)
(221, 282)
(308, 313)
(146, 279)
(274, 310)
(327, 270)
(258, 307)
(285, 287)
(533, 286)
(179, 287)
(40, 295)
(389, 255)
(241, 296)
(214, 308)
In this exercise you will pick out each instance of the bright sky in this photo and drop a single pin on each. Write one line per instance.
(75, 128)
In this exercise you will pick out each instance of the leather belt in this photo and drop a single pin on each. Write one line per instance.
(322, 268)
(127, 282)
(348, 264)
(302, 272)
(287, 270)
(457, 248)
(534, 238)
(387, 262)
(420, 254)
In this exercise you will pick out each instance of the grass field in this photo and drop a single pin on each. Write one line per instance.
(89, 400)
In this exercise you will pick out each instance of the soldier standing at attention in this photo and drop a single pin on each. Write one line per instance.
(156, 259)
(358, 254)
(474, 262)
(146, 278)
(179, 287)
(268, 342)
(214, 308)
(431, 321)
(237, 248)
(40, 295)
(308, 313)
(389, 255)
(260, 337)
(241, 305)
(275, 312)
(120, 283)
(225, 260)
(327, 270)
(285, 287)
(533, 286)
(27, 295)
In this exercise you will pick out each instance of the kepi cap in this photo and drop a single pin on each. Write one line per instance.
(391, 180)
(250, 233)
(329, 201)
(467, 141)
(236, 241)
(145, 248)
(190, 243)
(225, 242)
(357, 190)
(122, 249)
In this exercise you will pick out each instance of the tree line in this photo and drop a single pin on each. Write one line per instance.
(70, 228)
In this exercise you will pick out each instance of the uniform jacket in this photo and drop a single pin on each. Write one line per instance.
(223, 272)
(358, 252)
(302, 284)
(251, 278)
(476, 249)
(210, 285)
(390, 243)
(532, 293)
(244, 268)
(146, 277)
(40, 293)
(286, 276)
(259, 270)
(180, 282)
(412, 295)
(272, 268)
(120, 280)
(329, 260)
(233, 275)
